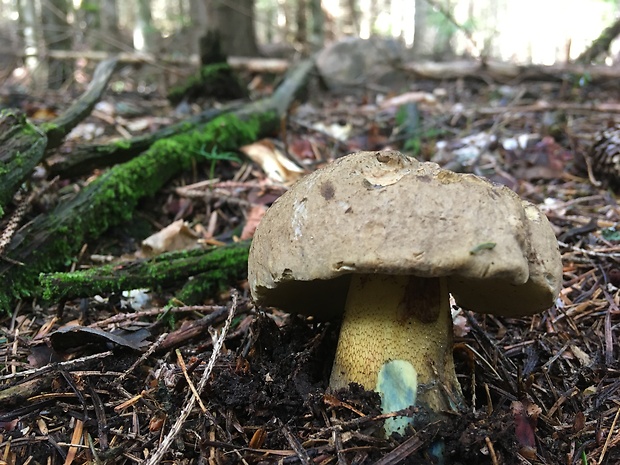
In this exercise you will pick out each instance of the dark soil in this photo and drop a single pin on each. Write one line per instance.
(539, 390)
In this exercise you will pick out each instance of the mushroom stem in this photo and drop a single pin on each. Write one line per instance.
(396, 338)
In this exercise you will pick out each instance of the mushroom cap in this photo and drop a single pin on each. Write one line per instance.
(386, 213)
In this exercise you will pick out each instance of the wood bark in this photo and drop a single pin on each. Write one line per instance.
(233, 24)
(22, 146)
(57, 37)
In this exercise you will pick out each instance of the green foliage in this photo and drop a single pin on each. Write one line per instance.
(90, 7)
(410, 126)
(611, 234)
(213, 156)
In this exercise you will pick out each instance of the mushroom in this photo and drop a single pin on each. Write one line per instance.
(384, 239)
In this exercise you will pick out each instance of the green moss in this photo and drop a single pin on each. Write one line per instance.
(224, 265)
(123, 144)
(231, 267)
(112, 199)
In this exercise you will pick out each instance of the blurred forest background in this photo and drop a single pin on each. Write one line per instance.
(44, 44)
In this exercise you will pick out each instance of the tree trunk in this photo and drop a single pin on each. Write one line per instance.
(301, 27)
(422, 36)
(58, 36)
(233, 23)
(108, 17)
(198, 22)
(144, 33)
(32, 40)
(317, 37)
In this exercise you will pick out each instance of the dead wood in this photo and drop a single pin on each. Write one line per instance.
(58, 128)
(251, 64)
(86, 158)
(228, 262)
(501, 72)
(51, 239)
(22, 146)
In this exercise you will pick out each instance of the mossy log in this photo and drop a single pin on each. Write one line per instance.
(50, 241)
(22, 146)
(86, 158)
(218, 266)
(58, 128)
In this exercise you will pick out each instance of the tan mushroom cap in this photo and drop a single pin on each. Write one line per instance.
(386, 213)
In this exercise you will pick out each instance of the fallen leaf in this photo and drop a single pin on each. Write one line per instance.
(276, 166)
(175, 236)
(253, 218)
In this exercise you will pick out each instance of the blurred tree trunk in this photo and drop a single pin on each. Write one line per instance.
(198, 22)
(301, 29)
(351, 20)
(444, 31)
(33, 39)
(144, 32)
(601, 44)
(108, 17)
(58, 36)
(287, 11)
(317, 35)
(422, 36)
(232, 24)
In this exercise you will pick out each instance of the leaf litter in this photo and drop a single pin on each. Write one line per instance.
(543, 389)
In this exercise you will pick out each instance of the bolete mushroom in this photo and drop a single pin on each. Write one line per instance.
(385, 239)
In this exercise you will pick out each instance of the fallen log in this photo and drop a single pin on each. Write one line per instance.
(58, 128)
(86, 158)
(23, 145)
(217, 266)
(49, 242)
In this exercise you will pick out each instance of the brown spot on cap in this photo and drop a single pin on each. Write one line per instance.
(327, 190)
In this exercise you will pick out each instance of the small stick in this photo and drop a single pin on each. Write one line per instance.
(218, 342)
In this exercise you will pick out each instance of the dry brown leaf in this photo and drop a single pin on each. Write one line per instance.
(175, 236)
(276, 166)
(253, 218)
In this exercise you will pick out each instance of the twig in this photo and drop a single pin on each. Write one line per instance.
(591, 253)
(120, 317)
(302, 455)
(144, 356)
(13, 224)
(189, 381)
(56, 366)
(492, 453)
(218, 342)
(611, 430)
(401, 452)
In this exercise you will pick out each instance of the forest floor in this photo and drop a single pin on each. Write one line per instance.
(541, 389)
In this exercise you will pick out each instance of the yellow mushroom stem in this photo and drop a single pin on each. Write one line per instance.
(396, 338)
